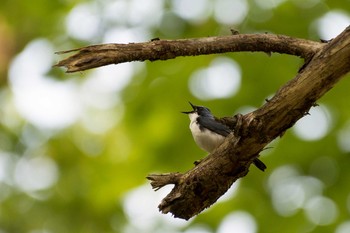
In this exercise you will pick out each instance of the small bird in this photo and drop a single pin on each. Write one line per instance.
(209, 132)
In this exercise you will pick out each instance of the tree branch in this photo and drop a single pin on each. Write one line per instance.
(200, 187)
(197, 189)
(105, 54)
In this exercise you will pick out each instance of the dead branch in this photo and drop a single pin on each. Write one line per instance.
(197, 189)
(200, 187)
(105, 54)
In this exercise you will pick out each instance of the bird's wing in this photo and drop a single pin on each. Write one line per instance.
(229, 122)
(214, 126)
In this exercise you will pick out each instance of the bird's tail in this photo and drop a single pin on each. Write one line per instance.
(259, 164)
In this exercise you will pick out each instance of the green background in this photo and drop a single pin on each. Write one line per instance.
(75, 148)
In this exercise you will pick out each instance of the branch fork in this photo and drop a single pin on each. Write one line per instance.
(201, 186)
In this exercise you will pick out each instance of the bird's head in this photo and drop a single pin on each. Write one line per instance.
(199, 110)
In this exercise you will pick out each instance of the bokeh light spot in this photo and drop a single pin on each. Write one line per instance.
(343, 228)
(314, 126)
(230, 12)
(321, 210)
(290, 191)
(198, 229)
(44, 102)
(121, 34)
(149, 16)
(50, 105)
(6, 164)
(140, 206)
(332, 24)
(240, 221)
(200, 9)
(83, 22)
(33, 174)
(343, 138)
(221, 79)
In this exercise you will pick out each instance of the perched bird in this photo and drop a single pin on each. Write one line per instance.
(209, 132)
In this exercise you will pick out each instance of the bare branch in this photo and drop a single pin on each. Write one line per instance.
(105, 54)
(200, 187)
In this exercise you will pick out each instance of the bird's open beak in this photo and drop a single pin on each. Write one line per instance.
(194, 109)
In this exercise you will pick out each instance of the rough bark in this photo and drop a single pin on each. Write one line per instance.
(200, 187)
(106, 54)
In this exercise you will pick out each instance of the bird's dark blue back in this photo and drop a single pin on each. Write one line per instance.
(214, 126)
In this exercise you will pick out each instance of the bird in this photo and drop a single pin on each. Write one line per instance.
(209, 132)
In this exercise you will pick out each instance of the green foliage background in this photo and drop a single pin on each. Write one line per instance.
(99, 170)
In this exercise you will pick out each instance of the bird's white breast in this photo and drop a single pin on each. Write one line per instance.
(205, 139)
